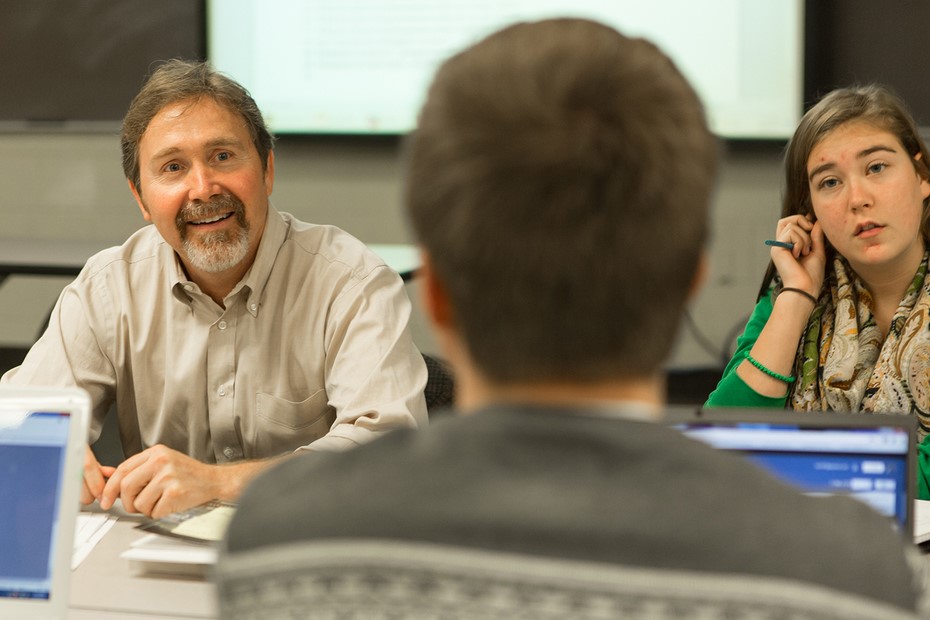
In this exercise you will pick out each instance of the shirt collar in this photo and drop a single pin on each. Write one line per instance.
(255, 278)
(617, 409)
(181, 286)
(627, 409)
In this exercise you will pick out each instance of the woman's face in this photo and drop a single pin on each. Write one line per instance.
(868, 197)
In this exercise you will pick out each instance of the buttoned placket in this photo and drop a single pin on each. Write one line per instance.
(221, 383)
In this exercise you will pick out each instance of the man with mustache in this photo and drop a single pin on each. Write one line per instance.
(228, 334)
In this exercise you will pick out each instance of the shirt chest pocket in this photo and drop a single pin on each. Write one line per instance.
(283, 426)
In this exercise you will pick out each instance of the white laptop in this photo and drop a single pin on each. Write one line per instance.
(43, 439)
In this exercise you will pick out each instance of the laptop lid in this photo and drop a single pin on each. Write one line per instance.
(868, 456)
(43, 439)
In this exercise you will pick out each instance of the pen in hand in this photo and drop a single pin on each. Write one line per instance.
(779, 244)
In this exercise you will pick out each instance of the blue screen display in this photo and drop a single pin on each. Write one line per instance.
(31, 467)
(868, 463)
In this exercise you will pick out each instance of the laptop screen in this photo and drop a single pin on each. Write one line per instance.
(865, 456)
(43, 442)
(32, 459)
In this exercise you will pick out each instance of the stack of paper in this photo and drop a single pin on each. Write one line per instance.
(182, 543)
(166, 555)
(88, 531)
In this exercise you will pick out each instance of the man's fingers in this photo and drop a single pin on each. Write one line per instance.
(150, 498)
(136, 488)
(93, 478)
(159, 481)
(110, 491)
(113, 488)
(87, 497)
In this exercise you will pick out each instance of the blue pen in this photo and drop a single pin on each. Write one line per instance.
(779, 244)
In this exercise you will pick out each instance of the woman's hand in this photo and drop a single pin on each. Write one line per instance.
(803, 266)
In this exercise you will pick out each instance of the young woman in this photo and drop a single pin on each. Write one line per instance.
(843, 317)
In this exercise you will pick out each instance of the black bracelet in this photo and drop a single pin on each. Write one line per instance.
(800, 292)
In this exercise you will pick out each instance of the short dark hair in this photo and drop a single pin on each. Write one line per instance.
(181, 80)
(560, 179)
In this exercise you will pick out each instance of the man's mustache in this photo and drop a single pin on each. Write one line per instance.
(204, 210)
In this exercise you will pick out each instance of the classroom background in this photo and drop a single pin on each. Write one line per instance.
(62, 185)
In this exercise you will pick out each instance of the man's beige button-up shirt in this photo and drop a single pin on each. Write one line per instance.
(311, 351)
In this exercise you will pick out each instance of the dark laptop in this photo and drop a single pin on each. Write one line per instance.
(868, 456)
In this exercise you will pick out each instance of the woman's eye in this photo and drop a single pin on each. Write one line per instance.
(877, 167)
(223, 156)
(829, 183)
(172, 167)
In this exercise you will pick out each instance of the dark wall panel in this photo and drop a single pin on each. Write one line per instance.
(83, 60)
(860, 41)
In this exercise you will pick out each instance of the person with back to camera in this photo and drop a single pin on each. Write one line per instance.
(558, 183)
(227, 334)
(844, 308)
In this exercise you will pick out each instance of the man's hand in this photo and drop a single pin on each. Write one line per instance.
(159, 481)
(95, 477)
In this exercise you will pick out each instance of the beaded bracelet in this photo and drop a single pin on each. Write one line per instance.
(799, 291)
(769, 372)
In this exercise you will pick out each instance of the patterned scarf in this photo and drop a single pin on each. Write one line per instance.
(842, 363)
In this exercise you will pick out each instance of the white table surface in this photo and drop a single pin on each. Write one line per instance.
(104, 586)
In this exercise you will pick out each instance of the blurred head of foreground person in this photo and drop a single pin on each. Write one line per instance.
(559, 183)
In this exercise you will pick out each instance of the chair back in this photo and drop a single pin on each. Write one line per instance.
(361, 579)
(440, 384)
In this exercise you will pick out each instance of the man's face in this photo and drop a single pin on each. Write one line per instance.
(201, 182)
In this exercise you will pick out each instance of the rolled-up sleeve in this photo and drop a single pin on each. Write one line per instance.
(374, 374)
(71, 351)
(732, 391)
